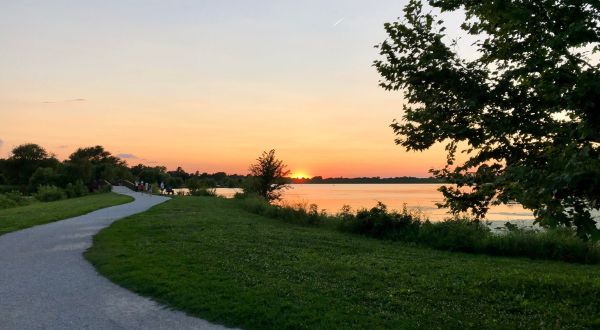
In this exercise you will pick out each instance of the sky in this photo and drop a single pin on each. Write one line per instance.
(205, 85)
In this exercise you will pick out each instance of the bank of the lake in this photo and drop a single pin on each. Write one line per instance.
(212, 259)
(419, 196)
(44, 212)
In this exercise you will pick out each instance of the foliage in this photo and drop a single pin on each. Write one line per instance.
(24, 161)
(381, 223)
(76, 190)
(216, 261)
(94, 165)
(6, 203)
(106, 188)
(456, 234)
(43, 176)
(50, 194)
(18, 198)
(524, 111)
(267, 177)
(198, 186)
(211, 192)
(467, 235)
(297, 213)
(40, 213)
(553, 244)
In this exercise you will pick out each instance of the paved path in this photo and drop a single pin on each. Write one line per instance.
(45, 283)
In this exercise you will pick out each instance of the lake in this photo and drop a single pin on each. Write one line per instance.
(416, 196)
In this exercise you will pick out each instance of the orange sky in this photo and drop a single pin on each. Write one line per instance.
(205, 86)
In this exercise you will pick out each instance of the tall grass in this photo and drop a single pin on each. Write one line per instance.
(456, 234)
(296, 213)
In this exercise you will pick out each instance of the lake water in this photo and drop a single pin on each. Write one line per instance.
(416, 196)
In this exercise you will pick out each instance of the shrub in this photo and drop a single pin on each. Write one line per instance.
(9, 188)
(381, 223)
(49, 194)
(466, 235)
(105, 188)
(459, 234)
(6, 203)
(76, 190)
(556, 244)
(254, 204)
(18, 198)
(297, 213)
(42, 176)
(211, 192)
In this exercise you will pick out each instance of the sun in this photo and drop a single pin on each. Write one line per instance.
(300, 175)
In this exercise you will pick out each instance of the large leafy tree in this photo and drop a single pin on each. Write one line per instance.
(525, 111)
(94, 164)
(267, 177)
(24, 161)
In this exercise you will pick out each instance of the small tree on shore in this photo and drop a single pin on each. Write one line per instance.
(267, 177)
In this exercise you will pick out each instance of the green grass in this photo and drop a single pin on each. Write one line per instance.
(40, 213)
(212, 259)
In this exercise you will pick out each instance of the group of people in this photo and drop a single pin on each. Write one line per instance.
(146, 187)
(143, 187)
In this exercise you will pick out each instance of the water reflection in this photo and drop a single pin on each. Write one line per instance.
(416, 196)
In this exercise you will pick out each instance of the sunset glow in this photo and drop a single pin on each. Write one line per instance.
(205, 87)
(300, 175)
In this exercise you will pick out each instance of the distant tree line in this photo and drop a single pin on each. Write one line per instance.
(376, 179)
(30, 167)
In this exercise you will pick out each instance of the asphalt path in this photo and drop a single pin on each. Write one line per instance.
(45, 283)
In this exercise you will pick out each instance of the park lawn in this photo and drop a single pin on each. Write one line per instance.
(208, 257)
(40, 213)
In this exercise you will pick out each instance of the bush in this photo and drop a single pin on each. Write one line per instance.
(466, 235)
(105, 188)
(76, 190)
(49, 194)
(297, 213)
(43, 176)
(381, 223)
(18, 198)
(6, 203)
(555, 244)
(9, 188)
(456, 234)
(204, 192)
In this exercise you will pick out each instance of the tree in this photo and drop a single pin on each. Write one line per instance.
(24, 161)
(43, 176)
(94, 164)
(267, 177)
(525, 112)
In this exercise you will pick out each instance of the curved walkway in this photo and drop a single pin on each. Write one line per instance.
(45, 283)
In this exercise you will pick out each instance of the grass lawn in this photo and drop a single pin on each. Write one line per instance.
(212, 259)
(40, 213)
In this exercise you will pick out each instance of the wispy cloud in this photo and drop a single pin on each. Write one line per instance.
(338, 21)
(127, 156)
(1, 143)
(62, 146)
(64, 101)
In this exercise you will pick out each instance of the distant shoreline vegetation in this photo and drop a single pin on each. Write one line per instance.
(364, 180)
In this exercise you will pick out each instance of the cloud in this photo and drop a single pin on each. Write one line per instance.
(338, 22)
(1, 143)
(127, 156)
(62, 146)
(63, 101)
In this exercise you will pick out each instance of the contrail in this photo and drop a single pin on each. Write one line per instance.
(338, 21)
